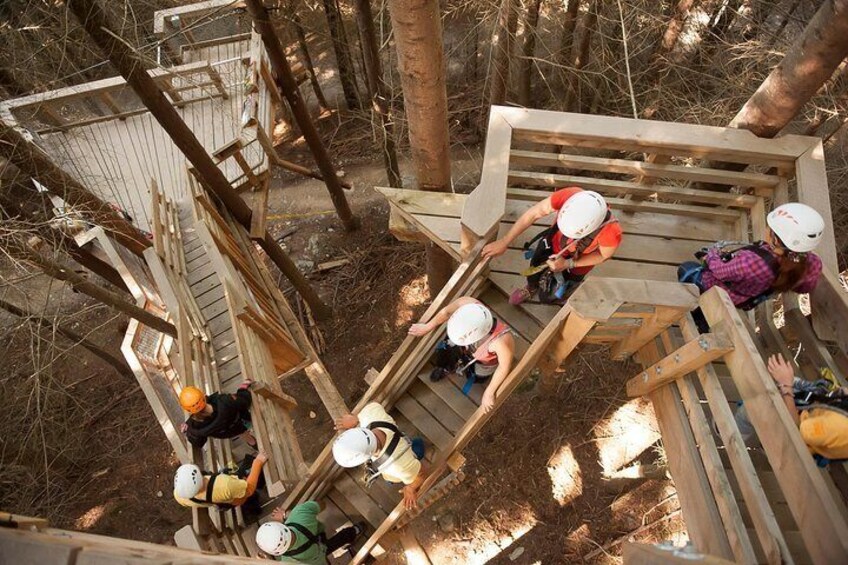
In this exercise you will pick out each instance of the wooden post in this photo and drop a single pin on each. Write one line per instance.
(377, 88)
(645, 554)
(572, 333)
(33, 162)
(131, 67)
(289, 89)
(118, 364)
(21, 251)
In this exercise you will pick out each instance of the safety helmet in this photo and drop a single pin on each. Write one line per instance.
(354, 447)
(798, 226)
(469, 324)
(274, 538)
(188, 480)
(582, 214)
(192, 399)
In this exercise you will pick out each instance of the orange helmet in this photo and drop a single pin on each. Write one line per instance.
(192, 399)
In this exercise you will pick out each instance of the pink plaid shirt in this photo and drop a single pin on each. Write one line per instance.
(748, 275)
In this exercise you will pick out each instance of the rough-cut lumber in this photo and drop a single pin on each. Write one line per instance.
(606, 296)
(830, 308)
(766, 527)
(687, 358)
(663, 317)
(282, 399)
(816, 512)
(572, 333)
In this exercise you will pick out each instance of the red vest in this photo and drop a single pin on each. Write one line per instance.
(482, 354)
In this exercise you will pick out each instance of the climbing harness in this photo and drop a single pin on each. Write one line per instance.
(398, 446)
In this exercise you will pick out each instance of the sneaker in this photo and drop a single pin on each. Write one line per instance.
(360, 529)
(438, 374)
(520, 295)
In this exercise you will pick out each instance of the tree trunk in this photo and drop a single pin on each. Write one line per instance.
(526, 65)
(675, 27)
(18, 249)
(590, 21)
(34, 163)
(118, 364)
(810, 62)
(779, 21)
(377, 89)
(566, 41)
(11, 84)
(342, 52)
(417, 29)
(128, 63)
(502, 51)
(307, 60)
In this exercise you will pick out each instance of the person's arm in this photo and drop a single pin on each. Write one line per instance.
(410, 491)
(734, 270)
(589, 260)
(253, 477)
(503, 347)
(441, 316)
(527, 219)
(346, 422)
(784, 375)
(241, 400)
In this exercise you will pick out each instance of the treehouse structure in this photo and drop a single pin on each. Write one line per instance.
(203, 273)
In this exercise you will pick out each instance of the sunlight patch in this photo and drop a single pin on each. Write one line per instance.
(484, 541)
(566, 480)
(626, 434)
(413, 294)
(90, 518)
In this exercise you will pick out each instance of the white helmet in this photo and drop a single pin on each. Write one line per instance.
(354, 447)
(582, 214)
(469, 324)
(187, 481)
(798, 226)
(274, 538)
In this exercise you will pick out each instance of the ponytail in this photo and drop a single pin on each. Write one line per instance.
(791, 269)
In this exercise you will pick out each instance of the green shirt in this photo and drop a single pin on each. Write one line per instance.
(306, 515)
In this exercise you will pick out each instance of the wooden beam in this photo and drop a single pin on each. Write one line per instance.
(572, 333)
(830, 309)
(762, 516)
(605, 186)
(816, 512)
(649, 170)
(601, 299)
(663, 317)
(687, 358)
(162, 17)
(811, 177)
(646, 554)
(485, 206)
(282, 399)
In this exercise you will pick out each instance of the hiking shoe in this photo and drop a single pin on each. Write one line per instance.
(520, 295)
(360, 529)
(438, 374)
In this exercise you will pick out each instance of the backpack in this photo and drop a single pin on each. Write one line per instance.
(771, 261)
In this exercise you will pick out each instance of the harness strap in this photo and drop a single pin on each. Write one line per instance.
(210, 487)
(393, 444)
(310, 539)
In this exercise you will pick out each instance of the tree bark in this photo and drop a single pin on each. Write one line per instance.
(118, 364)
(34, 163)
(528, 50)
(810, 62)
(417, 29)
(675, 27)
(590, 21)
(342, 52)
(502, 41)
(128, 63)
(19, 249)
(307, 60)
(288, 88)
(566, 42)
(377, 89)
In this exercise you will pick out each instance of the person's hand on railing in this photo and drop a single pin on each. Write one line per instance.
(494, 249)
(782, 373)
(346, 422)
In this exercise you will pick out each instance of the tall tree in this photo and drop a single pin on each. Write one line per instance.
(810, 62)
(307, 59)
(417, 29)
(129, 64)
(377, 89)
(566, 35)
(502, 42)
(675, 27)
(341, 48)
(528, 50)
(581, 57)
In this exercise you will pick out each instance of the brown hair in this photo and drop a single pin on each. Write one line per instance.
(791, 268)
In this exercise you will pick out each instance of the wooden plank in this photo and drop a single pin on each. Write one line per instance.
(830, 309)
(432, 429)
(651, 328)
(353, 493)
(601, 299)
(437, 408)
(645, 554)
(605, 187)
(694, 354)
(760, 510)
(811, 176)
(414, 553)
(716, 143)
(452, 396)
(572, 333)
(703, 520)
(819, 518)
(280, 398)
(486, 204)
(645, 169)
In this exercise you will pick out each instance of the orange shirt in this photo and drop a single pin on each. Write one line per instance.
(609, 236)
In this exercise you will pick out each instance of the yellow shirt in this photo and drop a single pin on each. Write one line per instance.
(405, 468)
(825, 432)
(227, 489)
